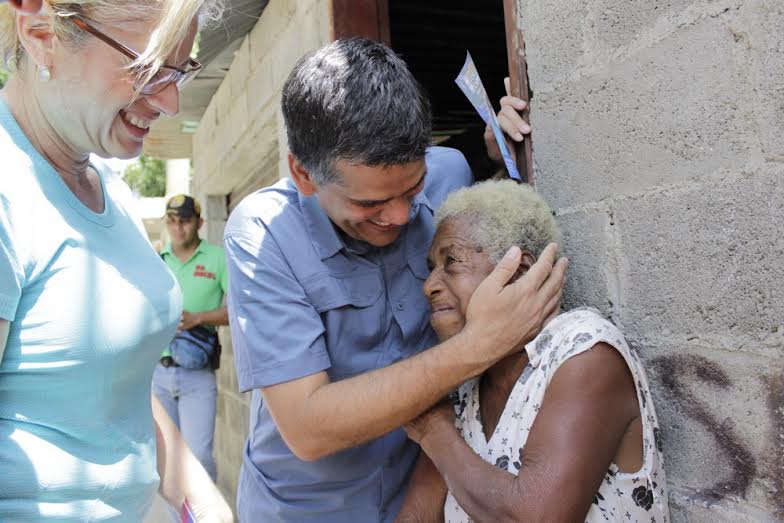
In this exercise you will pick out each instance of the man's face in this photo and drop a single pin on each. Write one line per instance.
(372, 204)
(183, 231)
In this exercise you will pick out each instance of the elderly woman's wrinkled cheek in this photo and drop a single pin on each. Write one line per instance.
(447, 322)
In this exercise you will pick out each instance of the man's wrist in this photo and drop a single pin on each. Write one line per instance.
(477, 349)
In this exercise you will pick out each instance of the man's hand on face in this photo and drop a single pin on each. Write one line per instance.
(511, 123)
(502, 316)
(189, 320)
(26, 6)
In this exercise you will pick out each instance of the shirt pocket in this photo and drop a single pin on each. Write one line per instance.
(353, 310)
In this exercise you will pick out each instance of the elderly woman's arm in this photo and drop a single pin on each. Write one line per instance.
(588, 406)
(425, 496)
(182, 476)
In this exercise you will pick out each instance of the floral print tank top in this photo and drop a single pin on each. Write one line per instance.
(629, 497)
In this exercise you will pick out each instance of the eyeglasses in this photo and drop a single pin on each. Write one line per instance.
(163, 77)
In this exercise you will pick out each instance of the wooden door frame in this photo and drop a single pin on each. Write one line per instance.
(368, 18)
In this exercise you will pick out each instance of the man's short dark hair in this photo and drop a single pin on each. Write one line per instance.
(354, 100)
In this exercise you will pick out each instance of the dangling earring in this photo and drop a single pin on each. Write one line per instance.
(43, 73)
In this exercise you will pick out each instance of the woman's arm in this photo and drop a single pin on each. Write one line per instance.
(587, 408)
(182, 476)
(425, 496)
(5, 326)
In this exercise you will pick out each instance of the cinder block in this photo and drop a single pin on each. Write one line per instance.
(314, 32)
(222, 99)
(216, 207)
(238, 118)
(242, 68)
(276, 16)
(262, 85)
(705, 262)
(585, 242)
(665, 115)
(761, 25)
(288, 50)
(684, 508)
(554, 36)
(618, 22)
(718, 425)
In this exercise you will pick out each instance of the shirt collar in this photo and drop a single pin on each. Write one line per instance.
(323, 236)
(167, 249)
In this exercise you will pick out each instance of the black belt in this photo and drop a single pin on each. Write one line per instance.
(168, 361)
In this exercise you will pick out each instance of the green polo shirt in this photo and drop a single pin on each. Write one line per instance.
(203, 278)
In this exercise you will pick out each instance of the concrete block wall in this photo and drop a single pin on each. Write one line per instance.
(659, 140)
(240, 145)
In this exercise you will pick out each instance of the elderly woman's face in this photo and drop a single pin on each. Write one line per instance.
(457, 267)
(95, 96)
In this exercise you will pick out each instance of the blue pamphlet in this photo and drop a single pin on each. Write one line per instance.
(469, 82)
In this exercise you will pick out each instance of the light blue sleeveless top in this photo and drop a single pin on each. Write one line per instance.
(90, 305)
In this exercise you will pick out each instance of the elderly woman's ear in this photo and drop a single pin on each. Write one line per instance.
(526, 262)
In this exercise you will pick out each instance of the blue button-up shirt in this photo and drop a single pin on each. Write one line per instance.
(304, 298)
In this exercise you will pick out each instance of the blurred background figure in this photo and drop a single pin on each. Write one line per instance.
(188, 391)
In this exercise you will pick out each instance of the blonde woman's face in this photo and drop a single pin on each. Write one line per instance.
(96, 104)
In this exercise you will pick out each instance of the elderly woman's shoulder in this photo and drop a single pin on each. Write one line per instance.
(574, 332)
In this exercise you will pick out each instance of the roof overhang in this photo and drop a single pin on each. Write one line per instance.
(172, 138)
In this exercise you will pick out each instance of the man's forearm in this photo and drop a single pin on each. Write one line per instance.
(215, 317)
(346, 413)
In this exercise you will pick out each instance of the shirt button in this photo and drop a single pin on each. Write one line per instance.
(400, 306)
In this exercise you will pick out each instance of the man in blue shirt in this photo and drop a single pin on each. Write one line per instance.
(329, 322)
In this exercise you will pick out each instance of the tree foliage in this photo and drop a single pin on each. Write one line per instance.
(147, 177)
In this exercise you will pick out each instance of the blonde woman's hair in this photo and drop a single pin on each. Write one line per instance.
(500, 214)
(173, 22)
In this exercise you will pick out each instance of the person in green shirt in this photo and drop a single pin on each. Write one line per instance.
(189, 395)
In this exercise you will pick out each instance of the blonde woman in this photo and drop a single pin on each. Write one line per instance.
(85, 302)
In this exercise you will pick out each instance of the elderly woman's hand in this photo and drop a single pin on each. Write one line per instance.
(440, 416)
(26, 6)
(511, 123)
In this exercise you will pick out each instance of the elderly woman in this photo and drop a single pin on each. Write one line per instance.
(563, 431)
(85, 302)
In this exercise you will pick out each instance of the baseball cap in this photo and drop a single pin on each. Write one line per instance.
(183, 206)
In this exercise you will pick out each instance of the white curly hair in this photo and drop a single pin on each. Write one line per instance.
(503, 213)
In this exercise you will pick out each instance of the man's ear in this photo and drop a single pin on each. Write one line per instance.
(36, 35)
(526, 262)
(201, 222)
(301, 177)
